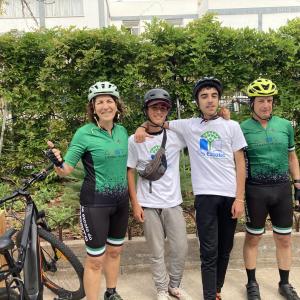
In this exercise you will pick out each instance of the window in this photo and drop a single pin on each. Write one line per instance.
(18, 9)
(64, 8)
(132, 26)
(53, 8)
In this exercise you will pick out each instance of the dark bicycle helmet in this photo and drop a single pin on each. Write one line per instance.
(262, 87)
(207, 82)
(156, 95)
(103, 88)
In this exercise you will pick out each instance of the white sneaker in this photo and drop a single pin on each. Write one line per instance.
(179, 293)
(163, 295)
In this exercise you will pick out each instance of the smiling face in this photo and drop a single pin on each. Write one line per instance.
(208, 101)
(105, 108)
(158, 112)
(263, 107)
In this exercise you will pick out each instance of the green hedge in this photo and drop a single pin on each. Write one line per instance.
(45, 75)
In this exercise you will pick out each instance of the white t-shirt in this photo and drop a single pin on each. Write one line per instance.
(166, 191)
(211, 148)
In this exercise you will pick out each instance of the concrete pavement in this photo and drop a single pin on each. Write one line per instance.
(135, 281)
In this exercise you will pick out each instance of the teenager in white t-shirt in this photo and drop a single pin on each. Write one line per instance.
(157, 204)
(218, 177)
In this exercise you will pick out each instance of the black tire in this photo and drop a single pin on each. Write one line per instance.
(13, 295)
(62, 272)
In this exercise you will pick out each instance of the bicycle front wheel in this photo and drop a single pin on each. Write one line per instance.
(62, 272)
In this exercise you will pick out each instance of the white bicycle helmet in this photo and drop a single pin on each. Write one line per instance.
(103, 88)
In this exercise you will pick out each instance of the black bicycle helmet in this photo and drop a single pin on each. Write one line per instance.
(157, 94)
(207, 82)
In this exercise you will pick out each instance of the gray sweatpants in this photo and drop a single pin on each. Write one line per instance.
(160, 224)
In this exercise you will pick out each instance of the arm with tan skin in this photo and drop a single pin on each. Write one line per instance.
(294, 171)
(141, 133)
(237, 208)
(66, 169)
(138, 212)
(294, 166)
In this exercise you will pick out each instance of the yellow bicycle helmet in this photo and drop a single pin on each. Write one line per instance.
(262, 87)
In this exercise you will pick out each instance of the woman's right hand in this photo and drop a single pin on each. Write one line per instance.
(55, 151)
(65, 169)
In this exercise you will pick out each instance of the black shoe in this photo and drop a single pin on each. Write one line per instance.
(288, 292)
(253, 291)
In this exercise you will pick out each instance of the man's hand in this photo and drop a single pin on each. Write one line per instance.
(141, 134)
(138, 213)
(224, 113)
(237, 208)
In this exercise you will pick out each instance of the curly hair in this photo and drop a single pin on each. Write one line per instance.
(118, 116)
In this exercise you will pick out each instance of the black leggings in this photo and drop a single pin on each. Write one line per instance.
(216, 232)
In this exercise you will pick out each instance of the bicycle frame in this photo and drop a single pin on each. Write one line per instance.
(34, 262)
(30, 245)
(29, 256)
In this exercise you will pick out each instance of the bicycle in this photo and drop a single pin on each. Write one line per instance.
(37, 258)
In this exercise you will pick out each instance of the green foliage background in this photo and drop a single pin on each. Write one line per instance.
(45, 75)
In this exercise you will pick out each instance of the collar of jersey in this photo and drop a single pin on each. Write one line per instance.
(101, 129)
(258, 121)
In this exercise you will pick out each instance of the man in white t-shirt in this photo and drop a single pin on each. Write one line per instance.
(218, 178)
(157, 203)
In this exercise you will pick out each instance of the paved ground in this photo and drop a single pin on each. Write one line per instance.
(135, 282)
(139, 285)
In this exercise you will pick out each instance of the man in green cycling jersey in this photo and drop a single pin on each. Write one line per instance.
(271, 159)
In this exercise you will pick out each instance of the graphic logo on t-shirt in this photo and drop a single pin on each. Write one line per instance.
(154, 150)
(211, 144)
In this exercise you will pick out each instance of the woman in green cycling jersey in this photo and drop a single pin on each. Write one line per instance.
(101, 145)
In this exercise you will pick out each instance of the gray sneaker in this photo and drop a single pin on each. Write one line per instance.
(179, 293)
(163, 295)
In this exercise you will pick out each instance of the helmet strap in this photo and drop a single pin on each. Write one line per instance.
(262, 119)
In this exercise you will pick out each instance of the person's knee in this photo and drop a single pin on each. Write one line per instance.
(209, 254)
(94, 263)
(252, 240)
(283, 241)
(113, 252)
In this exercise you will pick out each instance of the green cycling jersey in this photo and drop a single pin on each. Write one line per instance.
(104, 158)
(267, 151)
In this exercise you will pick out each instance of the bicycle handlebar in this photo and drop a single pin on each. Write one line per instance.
(35, 177)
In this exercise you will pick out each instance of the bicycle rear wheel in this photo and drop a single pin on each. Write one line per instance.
(62, 272)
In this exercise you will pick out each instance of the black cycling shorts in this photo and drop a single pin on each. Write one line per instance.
(103, 225)
(274, 200)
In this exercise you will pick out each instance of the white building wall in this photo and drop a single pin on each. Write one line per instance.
(232, 13)
(239, 21)
(219, 4)
(89, 19)
(269, 14)
(277, 20)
